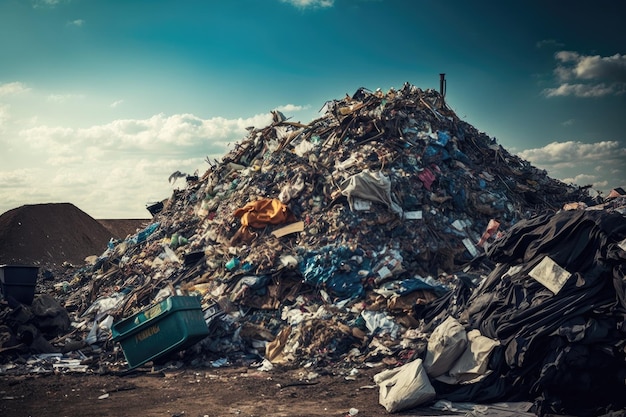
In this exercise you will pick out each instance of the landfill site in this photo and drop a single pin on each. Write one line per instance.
(384, 258)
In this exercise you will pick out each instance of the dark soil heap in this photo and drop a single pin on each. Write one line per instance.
(44, 234)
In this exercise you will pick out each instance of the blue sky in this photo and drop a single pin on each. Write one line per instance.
(100, 101)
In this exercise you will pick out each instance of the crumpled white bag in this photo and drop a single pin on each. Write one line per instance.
(445, 345)
(404, 387)
(472, 365)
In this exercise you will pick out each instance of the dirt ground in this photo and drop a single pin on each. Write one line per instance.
(214, 392)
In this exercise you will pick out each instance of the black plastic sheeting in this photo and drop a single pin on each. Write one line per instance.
(564, 351)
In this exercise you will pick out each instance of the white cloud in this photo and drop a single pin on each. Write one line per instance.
(77, 22)
(586, 179)
(9, 89)
(16, 178)
(291, 108)
(180, 130)
(581, 163)
(568, 122)
(42, 137)
(581, 179)
(565, 152)
(303, 4)
(4, 115)
(586, 67)
(588, 75)
(585, 90)
(67, 177)
(64, 160)
(45, 3)
(114, 169)
(157, 134)
(116, 103)
(64, 98)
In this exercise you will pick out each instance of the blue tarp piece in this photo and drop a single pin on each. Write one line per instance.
(432, 151)
(438, 147)
(257, 284)
(143, 234)
(460, 156)
(334, 269)
(442, 138)
(409, 285)
(459, 200)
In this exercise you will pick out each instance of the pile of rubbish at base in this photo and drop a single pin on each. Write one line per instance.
(386, 232)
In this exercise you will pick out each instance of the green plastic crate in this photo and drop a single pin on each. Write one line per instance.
(173, 324)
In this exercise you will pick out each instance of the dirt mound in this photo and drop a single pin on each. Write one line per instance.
(50, 234)
(121, 228)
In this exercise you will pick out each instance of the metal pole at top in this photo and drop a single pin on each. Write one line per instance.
(442, 89)
(442, 84)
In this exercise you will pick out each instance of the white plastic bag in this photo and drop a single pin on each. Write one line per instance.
(446, 343)
(404, 387)
(472, 365)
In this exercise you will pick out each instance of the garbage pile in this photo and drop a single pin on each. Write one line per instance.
(347, 241)
(550, 317)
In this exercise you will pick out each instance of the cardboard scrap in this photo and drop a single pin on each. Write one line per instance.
(290, 228)
(550, 274)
